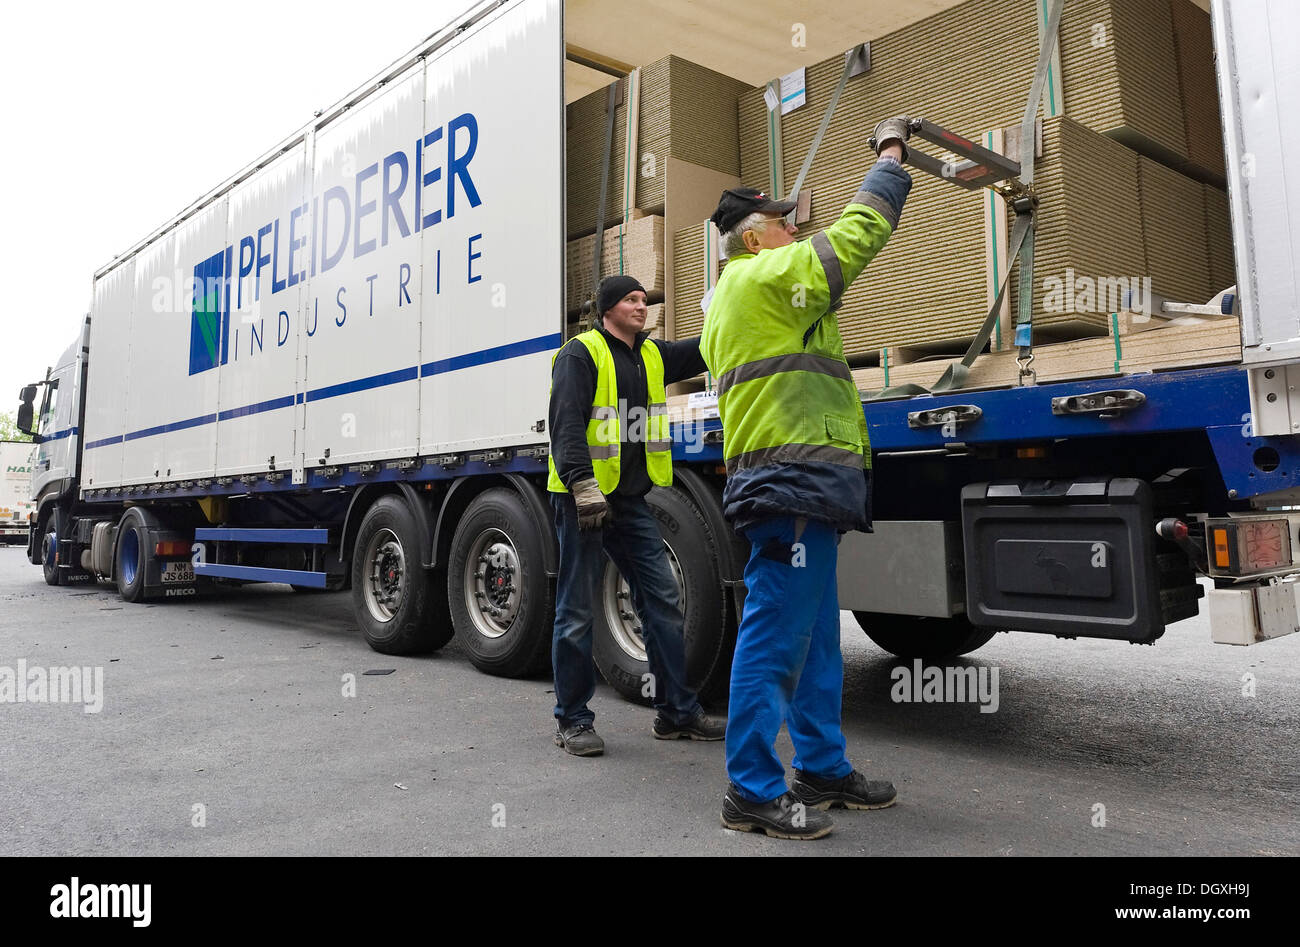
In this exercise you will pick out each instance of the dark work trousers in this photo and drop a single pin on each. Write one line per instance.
(632, 540)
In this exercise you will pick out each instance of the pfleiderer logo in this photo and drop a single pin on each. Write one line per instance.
(210, 313)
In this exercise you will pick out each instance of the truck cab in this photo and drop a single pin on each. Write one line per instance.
(51, 412)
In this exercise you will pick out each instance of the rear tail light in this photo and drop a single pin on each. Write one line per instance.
(1243, 546)
(172, 549)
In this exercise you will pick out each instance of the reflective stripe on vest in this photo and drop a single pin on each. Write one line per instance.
(605, 431)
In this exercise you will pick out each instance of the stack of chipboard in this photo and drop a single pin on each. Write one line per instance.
(969, 68)
(1223, 269)
(654, 321)
(1194, 43)
(689, 262)
(928, 285)
(1105, 214)
(1119, 67)
(635, 249)
(1107, 218)
(1174, 223)
(685, 111)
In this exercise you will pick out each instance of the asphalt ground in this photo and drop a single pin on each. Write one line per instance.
(225, 730)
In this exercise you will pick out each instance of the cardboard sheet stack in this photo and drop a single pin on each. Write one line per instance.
(1202, 121)
(689, 256)
(1219, 233)
(686, 111)
(636, 249)
(1118, 196)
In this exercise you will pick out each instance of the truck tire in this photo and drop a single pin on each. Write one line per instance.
(930, 639)
(502, 601)
(398, 603)
(49, 541)
(619, 648)
(129, 558)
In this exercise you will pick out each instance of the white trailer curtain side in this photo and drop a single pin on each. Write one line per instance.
(386, 283)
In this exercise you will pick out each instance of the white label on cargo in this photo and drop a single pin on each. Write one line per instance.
(705, 402)
(771, 98)
(792, 90)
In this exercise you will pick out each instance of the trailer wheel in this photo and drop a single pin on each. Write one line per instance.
(129, 565)
(931, 639)
(397, 602)
(49, 548)
(619, 646)
(502, 601)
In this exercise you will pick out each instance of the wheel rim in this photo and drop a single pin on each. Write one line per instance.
(620, 614)
(491, 583)
(130, 557)
(386, 579)
(48, 548)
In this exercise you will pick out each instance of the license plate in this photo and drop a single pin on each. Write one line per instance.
(178, 572)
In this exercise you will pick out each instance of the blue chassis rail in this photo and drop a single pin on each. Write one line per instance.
(1215, 401)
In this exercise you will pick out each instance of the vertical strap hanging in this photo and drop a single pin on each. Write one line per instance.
(995, 242)
(1053, 93)
(775, 163)
(611, 104)
(712, 245)
(630, 162)
(1048, 53)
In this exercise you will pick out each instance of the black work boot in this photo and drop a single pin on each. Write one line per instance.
(853, 791)
(700, 727)
(783, 817)
(580, 739)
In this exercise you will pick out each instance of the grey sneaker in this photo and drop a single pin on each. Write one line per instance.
(580, 739)
(700, 727)
(853, 791)
(783, 817)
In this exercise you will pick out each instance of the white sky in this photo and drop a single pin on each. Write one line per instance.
(119, 115)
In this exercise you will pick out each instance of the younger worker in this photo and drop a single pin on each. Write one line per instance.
(798, 474)
(609, 443)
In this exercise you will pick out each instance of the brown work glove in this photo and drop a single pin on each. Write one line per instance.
(890, 130)
(592, 506)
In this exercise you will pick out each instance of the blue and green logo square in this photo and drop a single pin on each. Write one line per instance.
(210, 314)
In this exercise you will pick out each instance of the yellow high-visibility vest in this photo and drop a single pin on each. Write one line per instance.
(605, 427)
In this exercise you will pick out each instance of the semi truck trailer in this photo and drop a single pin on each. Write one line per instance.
(15, 490)
(331, 371)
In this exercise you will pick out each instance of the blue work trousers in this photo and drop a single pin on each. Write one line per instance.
(788, 668)
(632, 540)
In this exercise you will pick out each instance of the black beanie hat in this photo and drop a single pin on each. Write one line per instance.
(614, 288)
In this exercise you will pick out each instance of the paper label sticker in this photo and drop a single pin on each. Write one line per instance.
(705, 402)
(793, 90)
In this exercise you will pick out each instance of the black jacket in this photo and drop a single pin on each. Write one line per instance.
(573, 389)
